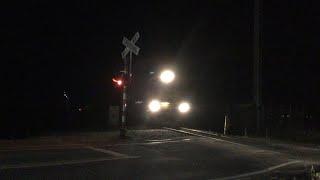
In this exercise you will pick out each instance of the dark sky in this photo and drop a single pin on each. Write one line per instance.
(76, 46)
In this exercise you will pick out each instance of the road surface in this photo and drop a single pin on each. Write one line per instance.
(154, 154)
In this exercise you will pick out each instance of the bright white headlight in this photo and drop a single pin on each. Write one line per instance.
(154, 105)
(167, 76)
(184, 107)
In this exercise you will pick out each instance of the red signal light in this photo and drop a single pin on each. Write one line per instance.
(119, 82)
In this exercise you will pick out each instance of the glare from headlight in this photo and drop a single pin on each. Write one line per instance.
(154, 106)
(184, 107)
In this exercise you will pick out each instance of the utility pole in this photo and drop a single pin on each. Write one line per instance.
(127, 74)
(257, 63)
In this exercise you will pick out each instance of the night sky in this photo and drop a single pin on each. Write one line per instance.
(75, 46)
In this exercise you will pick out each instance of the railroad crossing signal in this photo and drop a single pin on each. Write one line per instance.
(130, 45)
(130, 48)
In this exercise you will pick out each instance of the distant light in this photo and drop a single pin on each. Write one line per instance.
(154, 106)
(79, 109)
(65, 95)
(184, 107)
(167, 76)
(139, 102)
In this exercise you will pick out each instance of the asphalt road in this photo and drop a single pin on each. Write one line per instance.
(150, 154)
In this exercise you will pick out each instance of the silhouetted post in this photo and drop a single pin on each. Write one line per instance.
(257, 64)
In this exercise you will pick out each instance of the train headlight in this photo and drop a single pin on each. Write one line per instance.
(154, 106)
(184, 107)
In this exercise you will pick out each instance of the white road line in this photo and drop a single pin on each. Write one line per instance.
(163, 142)
(116, 154)
(262, 151)
(152, 140)
(60, 163)
(199, 131)
(184, 132)
(148, 143)
(259, 172)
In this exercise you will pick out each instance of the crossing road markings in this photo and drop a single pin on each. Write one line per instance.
(168, 140)
(149, 143)
(115, 154)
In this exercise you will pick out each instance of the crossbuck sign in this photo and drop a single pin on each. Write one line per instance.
(130, 45)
